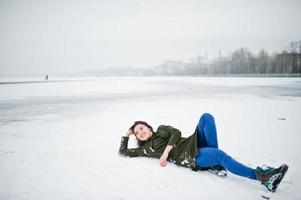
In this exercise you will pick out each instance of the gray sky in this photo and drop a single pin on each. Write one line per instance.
(57, 36)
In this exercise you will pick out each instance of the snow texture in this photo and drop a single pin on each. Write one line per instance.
(59, 139)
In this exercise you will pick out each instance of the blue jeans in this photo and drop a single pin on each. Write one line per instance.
(209, 153)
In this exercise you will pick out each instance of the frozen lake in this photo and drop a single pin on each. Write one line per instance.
(59, 139)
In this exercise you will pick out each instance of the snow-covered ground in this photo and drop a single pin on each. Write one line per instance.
(60, 139)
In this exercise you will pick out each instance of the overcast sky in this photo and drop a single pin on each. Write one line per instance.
(55, 36)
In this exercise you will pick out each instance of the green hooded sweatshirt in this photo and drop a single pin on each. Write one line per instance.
(183, 152)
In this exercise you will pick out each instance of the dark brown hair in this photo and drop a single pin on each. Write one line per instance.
(140, 143)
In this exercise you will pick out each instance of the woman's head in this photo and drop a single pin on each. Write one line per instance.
(142, 130)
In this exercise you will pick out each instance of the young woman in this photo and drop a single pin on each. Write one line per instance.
(199, 151)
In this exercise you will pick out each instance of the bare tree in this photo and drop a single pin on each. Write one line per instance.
(262, 62)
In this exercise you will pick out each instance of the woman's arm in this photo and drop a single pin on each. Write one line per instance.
(123, 149)
(174, 136)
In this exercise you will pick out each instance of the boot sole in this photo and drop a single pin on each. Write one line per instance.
(282, 173)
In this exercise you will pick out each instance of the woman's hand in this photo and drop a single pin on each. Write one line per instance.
(128, 133)
(164, 156)
(163, 159)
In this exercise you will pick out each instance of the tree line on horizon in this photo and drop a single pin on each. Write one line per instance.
(241, 61)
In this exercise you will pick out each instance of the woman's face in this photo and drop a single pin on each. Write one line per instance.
(142, 132)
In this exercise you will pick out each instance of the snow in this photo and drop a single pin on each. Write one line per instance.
(59, 139)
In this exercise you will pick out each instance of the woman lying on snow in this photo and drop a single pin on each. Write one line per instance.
(199, 151)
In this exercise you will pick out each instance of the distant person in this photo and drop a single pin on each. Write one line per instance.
(46, 77)
(199, 151)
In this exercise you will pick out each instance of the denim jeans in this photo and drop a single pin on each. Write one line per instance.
(209, 153)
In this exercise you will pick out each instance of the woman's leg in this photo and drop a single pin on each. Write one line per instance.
(207, 136)
(212, 157)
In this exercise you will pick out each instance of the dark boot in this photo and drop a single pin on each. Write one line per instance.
(271, 177)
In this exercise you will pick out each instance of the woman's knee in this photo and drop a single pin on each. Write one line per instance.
(206, 116)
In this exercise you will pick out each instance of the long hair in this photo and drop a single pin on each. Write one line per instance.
(139, 142)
